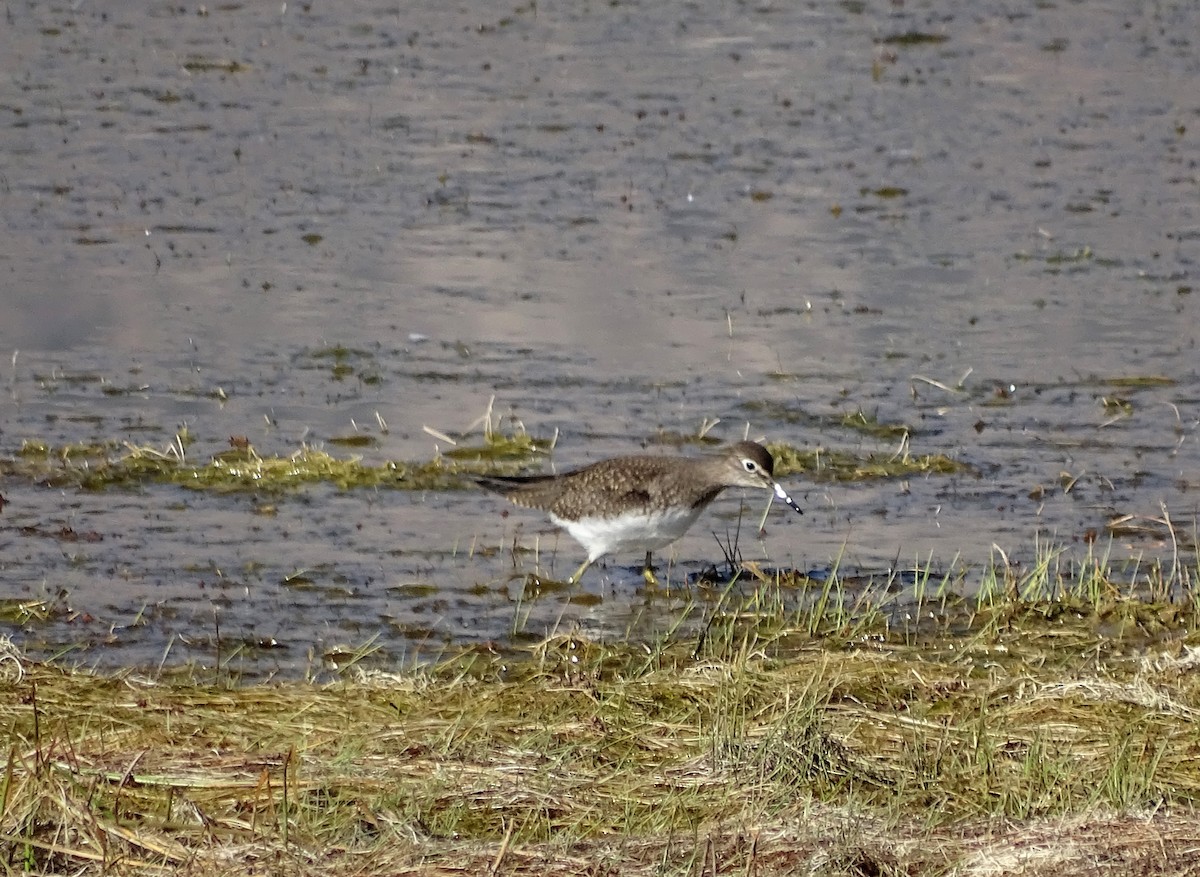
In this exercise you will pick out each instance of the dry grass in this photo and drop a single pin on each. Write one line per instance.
(589, 759)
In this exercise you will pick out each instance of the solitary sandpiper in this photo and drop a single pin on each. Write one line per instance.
(641, 502)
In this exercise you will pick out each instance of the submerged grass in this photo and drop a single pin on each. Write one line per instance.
(113, 465)
(102, 465)
(1017, 730)
(846, 466)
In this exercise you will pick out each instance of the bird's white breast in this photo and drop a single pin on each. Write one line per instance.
(630, 530)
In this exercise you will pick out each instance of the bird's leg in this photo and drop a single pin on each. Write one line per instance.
(578, 574)
(648, 572)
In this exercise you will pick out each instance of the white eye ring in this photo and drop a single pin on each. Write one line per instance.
(749, 465)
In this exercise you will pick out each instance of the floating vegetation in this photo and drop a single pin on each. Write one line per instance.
(199, 64)
(870, 424)
(884, 192)
(1056, 260)
(1083, 254)
(519, 447)
(97, 466)
(343, 362)
(1140, 381)
(859, 420)
(356, 440)
(845, 466)
(28, 611)
(914, 38)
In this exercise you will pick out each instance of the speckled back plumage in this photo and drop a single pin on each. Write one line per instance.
(610, 487)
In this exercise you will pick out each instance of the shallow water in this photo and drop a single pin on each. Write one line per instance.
(619, 220)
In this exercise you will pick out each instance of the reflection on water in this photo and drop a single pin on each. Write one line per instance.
(617, 220)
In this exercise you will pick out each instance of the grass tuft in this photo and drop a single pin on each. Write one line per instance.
(807, 727)
(125, 466)
(104, 465)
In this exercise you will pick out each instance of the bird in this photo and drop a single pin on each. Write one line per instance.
(638, 502)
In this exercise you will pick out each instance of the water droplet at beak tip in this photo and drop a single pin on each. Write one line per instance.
(782, 494)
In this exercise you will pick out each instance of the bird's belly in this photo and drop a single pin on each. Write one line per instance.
(629, 531)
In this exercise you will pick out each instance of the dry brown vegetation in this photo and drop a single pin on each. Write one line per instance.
(1016, 750)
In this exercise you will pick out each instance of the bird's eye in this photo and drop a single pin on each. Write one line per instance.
(749, 465)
